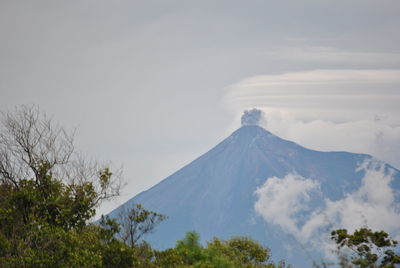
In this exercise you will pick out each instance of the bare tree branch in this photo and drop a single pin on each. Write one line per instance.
(136, 222)
(29, 139)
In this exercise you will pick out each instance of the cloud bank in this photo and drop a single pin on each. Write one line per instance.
(349, 110)
(281, 200)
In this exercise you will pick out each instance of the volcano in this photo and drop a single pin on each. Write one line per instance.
(219, 193)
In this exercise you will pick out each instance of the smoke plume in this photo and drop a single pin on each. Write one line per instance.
(252, 117)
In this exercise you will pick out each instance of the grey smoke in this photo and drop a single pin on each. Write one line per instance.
(252, 117)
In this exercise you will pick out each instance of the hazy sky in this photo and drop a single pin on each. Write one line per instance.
(154, 84)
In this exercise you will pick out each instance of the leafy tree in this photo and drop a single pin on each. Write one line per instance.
(144, 255)
(235, 252)
(190, 249)
(243, 252)
(43, 177)
(370, 249)
(48, 193)
(114, 253)
(168, 258)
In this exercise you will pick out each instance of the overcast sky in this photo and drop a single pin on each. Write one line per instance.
(152, 84)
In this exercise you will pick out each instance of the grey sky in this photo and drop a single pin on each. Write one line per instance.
(147, 83)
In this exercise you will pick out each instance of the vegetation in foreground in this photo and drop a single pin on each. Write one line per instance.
(48, 194)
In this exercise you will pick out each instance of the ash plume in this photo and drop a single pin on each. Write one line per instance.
(252, 117)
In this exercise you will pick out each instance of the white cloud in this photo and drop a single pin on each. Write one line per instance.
(372, 205)
(374, 136)
(350, 110)
(281, 200)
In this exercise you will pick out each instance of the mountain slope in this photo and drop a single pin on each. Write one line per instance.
(214, 194)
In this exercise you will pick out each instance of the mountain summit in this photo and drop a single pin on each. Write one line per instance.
(221, 192)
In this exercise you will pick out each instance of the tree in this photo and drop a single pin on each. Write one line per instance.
(41, 175)
(114, 253)
(136, 222)
(32, 147)
(235, 252)
(369, 248)
(190, 249)
(243, 252)
(48, 193)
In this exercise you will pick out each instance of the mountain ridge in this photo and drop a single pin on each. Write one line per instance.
(215, 193)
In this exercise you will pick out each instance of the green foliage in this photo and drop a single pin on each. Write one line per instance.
(47, 198)
(236, 252)
(370, 249)
(43, 223)
(144, 255)
(116, 254)
(168, 258)
(242, 251)
(190, 249)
